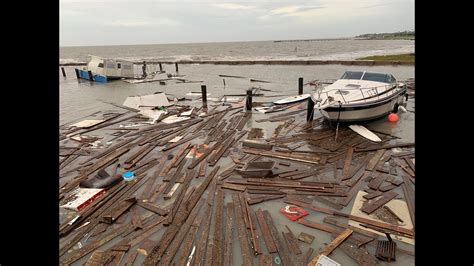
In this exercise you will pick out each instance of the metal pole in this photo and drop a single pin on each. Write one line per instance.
(77, 73)
(161, 67)
(176, 66)
(64, 73)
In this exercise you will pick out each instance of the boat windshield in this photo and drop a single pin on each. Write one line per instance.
(352, 75)
(377, 77)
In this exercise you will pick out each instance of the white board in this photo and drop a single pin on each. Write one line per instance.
(364, 132)
(400, 207)
(146, 101)
(153, 114)
(174, 119)
(293, 99)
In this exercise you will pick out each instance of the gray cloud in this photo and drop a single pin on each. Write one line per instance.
(107, 22)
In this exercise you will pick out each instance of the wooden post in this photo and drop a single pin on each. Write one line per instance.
(310, 111)
(204, 93)
(91, 77)
(64, 73)
(248, 102)
(161, 67)
(77, 73)
(176, 66)
(300, 86)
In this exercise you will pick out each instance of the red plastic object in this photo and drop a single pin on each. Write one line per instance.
(300, 212)
(392, 117)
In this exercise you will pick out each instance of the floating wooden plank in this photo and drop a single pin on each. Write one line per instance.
(375, 159)
(331, 246)
(119, 210)
(217, 249)
(187, 247)
(152, 207)
(376, 182)
(202, 169)
(146, 247)
(388, 146)
(267, 237)
(332, 220)
(264, 198)
(318, 226)
(265, 260)
(372, 195)
(253, 225)
(358, 254)
(387, 187)
(347, 163)
(179, 198)
(371, 207)
(131, 258)
(146, 232)
(228, 235)
(307, 256)
(243, 237)
(409, 193)
(382, 225)
(281, 248)
(230, 186)
(200, 249)
(175, 245)
(307, 238)
(292, 243)
(77, 254)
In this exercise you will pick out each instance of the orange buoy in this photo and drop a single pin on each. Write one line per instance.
(392, 117)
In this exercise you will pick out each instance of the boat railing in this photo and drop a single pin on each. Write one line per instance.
(366, 93)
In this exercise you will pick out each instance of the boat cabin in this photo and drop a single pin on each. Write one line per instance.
(371, 76)
(111, 68)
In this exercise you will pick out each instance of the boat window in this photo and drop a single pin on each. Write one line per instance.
(111, 65)
(127, 66)
(118, 65)
(375, 77)
(100, 65)
(342, 92)
(352, 75)
(391, 79)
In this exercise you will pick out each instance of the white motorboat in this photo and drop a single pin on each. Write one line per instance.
(360, 96)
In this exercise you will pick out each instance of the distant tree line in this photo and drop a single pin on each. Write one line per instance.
(398, 35)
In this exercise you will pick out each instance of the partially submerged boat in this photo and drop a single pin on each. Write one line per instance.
(360, 96)
(102, 69)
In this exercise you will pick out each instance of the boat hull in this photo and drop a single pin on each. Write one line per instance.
(364, 112)
(84, 74)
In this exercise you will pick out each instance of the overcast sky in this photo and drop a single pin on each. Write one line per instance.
(115, 22)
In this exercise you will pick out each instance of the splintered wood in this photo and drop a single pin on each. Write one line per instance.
(188, 203)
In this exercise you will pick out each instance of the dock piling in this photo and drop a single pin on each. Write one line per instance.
(176, 66)
(248, 101)
(161, 67)
(204, 94)
(300, 85)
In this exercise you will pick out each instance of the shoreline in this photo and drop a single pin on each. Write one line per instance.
(271, 62)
